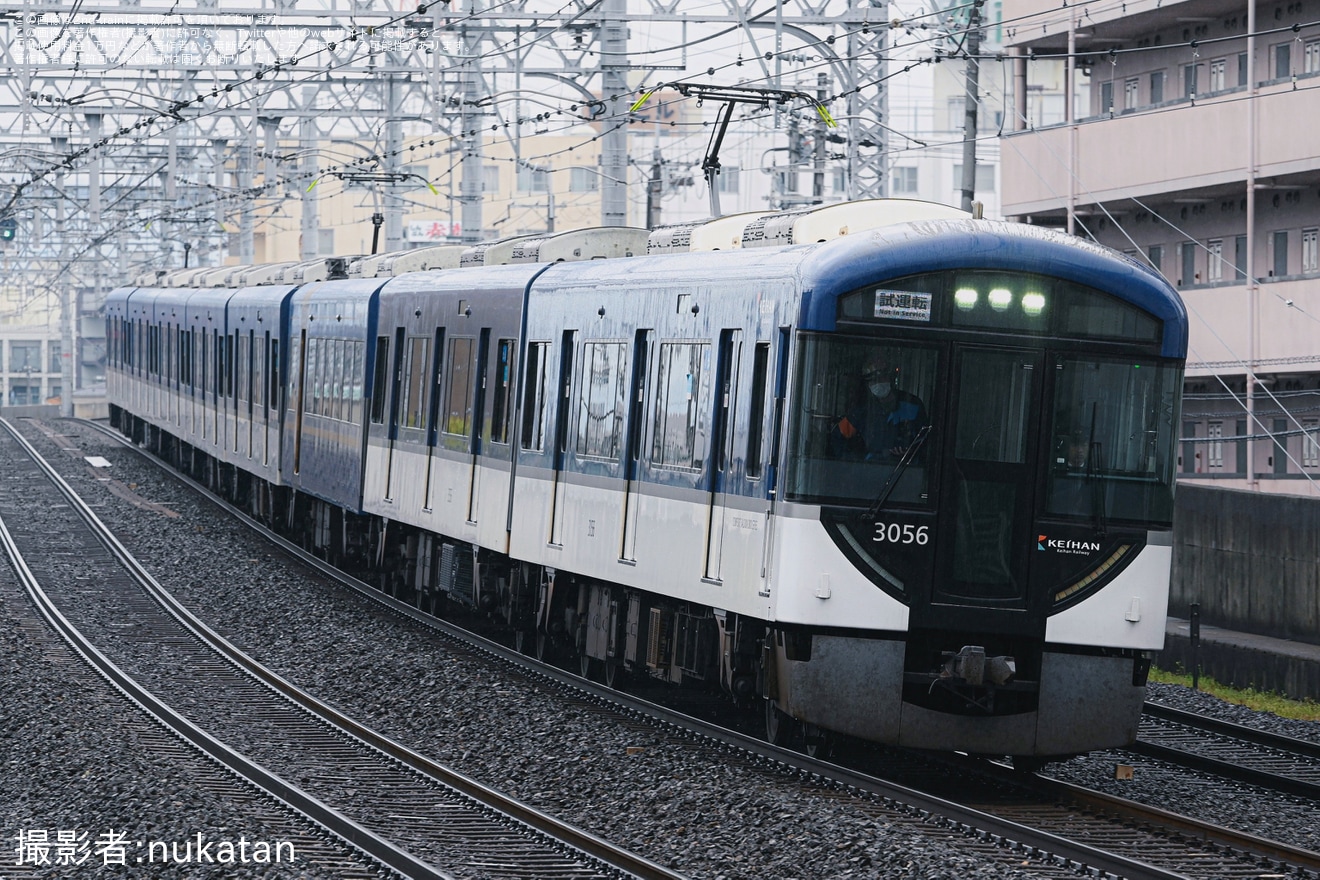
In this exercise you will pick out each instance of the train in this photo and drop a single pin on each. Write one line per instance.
(880, 470)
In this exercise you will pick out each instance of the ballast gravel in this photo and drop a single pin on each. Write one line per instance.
(679, 805)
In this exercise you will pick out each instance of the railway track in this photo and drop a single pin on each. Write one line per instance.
(1234, 751)
(1053, 825)
(406, 812)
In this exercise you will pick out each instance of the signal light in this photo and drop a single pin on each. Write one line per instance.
(8, 228)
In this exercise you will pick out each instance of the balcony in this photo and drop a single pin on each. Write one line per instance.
(1177, 147)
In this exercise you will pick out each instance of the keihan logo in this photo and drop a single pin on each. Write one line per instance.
(1064, 545)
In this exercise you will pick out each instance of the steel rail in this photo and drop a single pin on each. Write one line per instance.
(572, 837)
(936, 810)
(289, 794)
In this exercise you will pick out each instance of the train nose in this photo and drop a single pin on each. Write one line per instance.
(974, 668)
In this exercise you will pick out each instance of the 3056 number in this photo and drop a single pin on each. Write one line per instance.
(906, 533)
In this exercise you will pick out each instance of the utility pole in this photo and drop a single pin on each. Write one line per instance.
(818, 171)
(614, 90)
(310, 223)
(654, 189)
(970, 103)
(469, 190)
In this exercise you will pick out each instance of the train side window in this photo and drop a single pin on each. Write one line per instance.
(679, 439)
(499, 420)
(381, 374)
(260, 352)
(273, 399)
(533, 401)
(244, 370)
(756, 418)
(356, 351)
(312, 394)
(602, 393)
(414, 381)
(338, 387)
(458, 400)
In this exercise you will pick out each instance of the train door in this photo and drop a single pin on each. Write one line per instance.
(562, 410)
(983, 530)
(433, 417)
(633, 447)
(477, 421)
(392, 435)
(720, 464)
(298, 398)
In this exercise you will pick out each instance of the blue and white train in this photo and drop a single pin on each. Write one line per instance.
(631, 462)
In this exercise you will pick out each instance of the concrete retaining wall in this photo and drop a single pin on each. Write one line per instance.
(1251, 560)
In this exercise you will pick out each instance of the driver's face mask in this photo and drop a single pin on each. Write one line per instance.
(880, 389)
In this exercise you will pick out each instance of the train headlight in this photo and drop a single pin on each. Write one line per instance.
(965, 298)
(1000, 299)
(1033, 303)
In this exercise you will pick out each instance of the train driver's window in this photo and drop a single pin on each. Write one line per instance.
(862, 417)
(1111, 426)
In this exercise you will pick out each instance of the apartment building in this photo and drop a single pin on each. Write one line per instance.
(1195, 151)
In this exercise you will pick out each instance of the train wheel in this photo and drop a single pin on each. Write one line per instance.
(614, 674)
(1028, 763)
(542, 647)
(778, 725)
(816, 741)
(588, 667)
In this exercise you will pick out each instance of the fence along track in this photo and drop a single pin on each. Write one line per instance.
(546, 846)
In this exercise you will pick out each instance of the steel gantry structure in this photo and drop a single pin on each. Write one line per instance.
(149, 134)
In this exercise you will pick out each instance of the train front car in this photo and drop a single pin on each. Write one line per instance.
(973, 539)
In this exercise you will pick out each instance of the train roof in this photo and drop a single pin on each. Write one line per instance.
(840, 266)
(826, 271)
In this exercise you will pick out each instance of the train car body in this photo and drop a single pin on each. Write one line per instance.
(912, 485)
(331, 339)
(440, 435)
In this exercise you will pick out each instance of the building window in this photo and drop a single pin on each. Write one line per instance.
(1280, 240)
(727, 179)
(1310, 250)
(1280, 455)
(490, 178)
(1240, 257)
(1130, 94)
(1242, 69)
(25, 357)
(1283, 61)
(53, 347)
(1312, 57)
(1157, 87)
(1189, 80)
(1106, 97)
(534, 180)
(1311, 443)
(1218, 71)
(905, 180)
(957, 115)
(841, 179)
(1215, 433)
(1156, 254)
(583, 180)
(1187, 250)
(985, 177)
(1214, 266)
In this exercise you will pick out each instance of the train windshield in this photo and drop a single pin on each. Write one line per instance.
(861, 423)
(1113, 441)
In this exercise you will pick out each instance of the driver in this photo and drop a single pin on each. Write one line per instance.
(883, 425)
